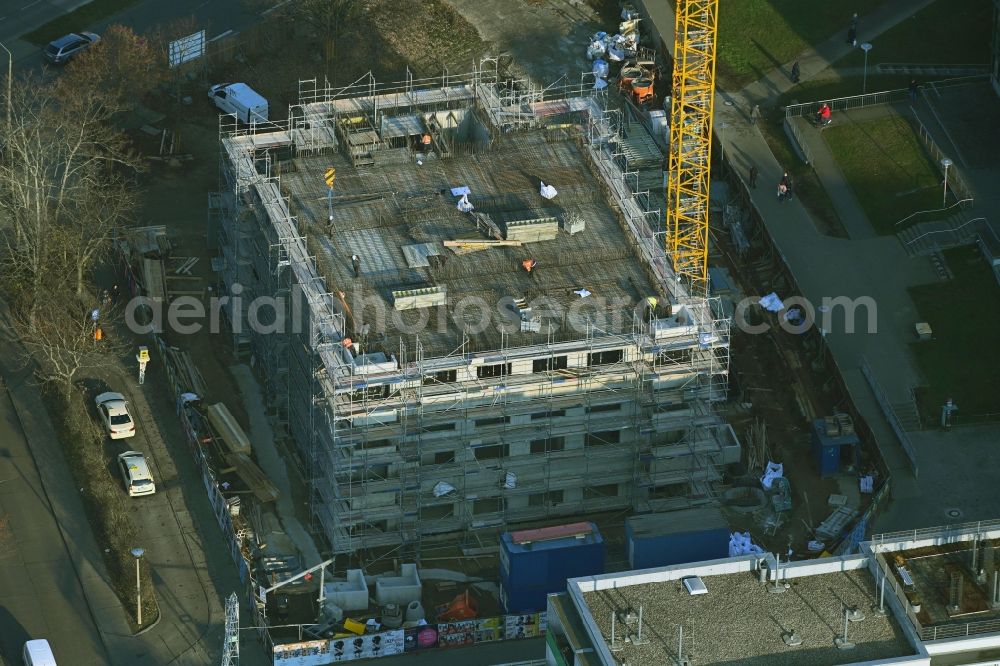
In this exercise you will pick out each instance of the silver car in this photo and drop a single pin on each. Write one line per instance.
(113, 410)
(60, 51)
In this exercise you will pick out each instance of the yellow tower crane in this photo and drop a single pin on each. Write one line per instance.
(690, 153)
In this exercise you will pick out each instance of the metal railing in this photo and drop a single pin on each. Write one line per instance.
(977, 527)
(952, 230)
(956, 182)
(875, 98)
(961, 203)
(852, 102)
(963, 69)
(890, 416)
(795, 135)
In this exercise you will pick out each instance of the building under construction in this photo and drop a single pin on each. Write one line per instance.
(447, 364)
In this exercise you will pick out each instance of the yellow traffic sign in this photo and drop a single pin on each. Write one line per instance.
(330, 176)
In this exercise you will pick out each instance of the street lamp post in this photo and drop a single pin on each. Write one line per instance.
(866, 47)
(137, 553)
(944, 195)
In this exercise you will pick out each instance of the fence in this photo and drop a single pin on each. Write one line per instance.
(794, 133)
(956, 182)
(890, 415)
(847, 103)
(938, 632)
(410, 639)
(220, 506)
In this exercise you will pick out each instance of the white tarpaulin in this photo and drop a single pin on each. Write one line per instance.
(774, 471)
(441, 489)
(510, 481)
(741, 544)
(771, 303)
(548, 191)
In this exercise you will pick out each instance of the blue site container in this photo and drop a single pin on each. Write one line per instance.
(832, 452)
(676, 537)
(547, 563)
(524, 599)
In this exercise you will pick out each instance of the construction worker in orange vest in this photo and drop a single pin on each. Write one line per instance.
(425, 142)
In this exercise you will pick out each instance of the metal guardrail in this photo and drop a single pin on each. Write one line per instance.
(875, 98)
(966, 69)
(890, 416)
(961, 203)
(952, 230)
(938, 632)
(977, 527)
(846, 103)
(956, 182)
(794, 133)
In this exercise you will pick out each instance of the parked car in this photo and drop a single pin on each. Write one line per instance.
(135, 474)
(113, 410)
(62, 50)
(240, 99)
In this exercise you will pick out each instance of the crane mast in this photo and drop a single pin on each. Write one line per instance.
(690, 151)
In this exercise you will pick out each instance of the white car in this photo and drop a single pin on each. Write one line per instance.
(135, 474)
(114, 415)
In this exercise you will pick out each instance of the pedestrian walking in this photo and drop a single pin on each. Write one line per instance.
(913, 91)
(753, 177)
(754, 114)
(789, 188)
(356, 263)
(795, 72)
(852, 32)
(782, 191)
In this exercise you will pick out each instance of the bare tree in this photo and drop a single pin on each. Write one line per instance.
(61, 177)
(63, 342)
(329, 21)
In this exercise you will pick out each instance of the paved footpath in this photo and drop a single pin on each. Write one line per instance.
(866, 265)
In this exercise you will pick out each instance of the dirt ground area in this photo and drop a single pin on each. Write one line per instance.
(547, 38)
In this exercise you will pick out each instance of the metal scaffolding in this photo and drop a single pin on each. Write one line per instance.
(426, 439)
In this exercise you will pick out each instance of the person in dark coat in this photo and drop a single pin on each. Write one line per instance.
(852, 32)
(795, 72)
(913, 91)
(753, 177)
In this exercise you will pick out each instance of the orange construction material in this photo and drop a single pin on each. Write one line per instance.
(462, 607)
(627, 76)
(642, 89)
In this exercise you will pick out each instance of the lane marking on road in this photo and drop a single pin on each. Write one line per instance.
(277, 6)
(30, 4)
(220, 36)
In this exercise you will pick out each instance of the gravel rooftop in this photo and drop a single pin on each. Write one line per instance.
(739, 621)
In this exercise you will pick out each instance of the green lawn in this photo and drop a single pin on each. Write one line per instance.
(961, 361)
(78, 19)
(755, 36)
(887, 167)
(946, 31)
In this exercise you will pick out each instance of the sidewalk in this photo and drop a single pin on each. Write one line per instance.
(865, 266)
(189, 561)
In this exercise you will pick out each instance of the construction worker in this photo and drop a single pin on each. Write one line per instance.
(356, 263)
(425, 143)
(529, 264)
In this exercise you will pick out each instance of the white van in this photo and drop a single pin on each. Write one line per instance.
(241, 99)
(38, 653)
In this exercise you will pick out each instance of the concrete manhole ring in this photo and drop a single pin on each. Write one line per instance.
(953, 513)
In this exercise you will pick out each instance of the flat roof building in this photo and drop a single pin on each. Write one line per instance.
(939, 589)
(451, 364)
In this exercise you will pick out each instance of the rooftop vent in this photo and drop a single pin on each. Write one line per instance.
(695, 586)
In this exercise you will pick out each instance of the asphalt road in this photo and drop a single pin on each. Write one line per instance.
(40, 595)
